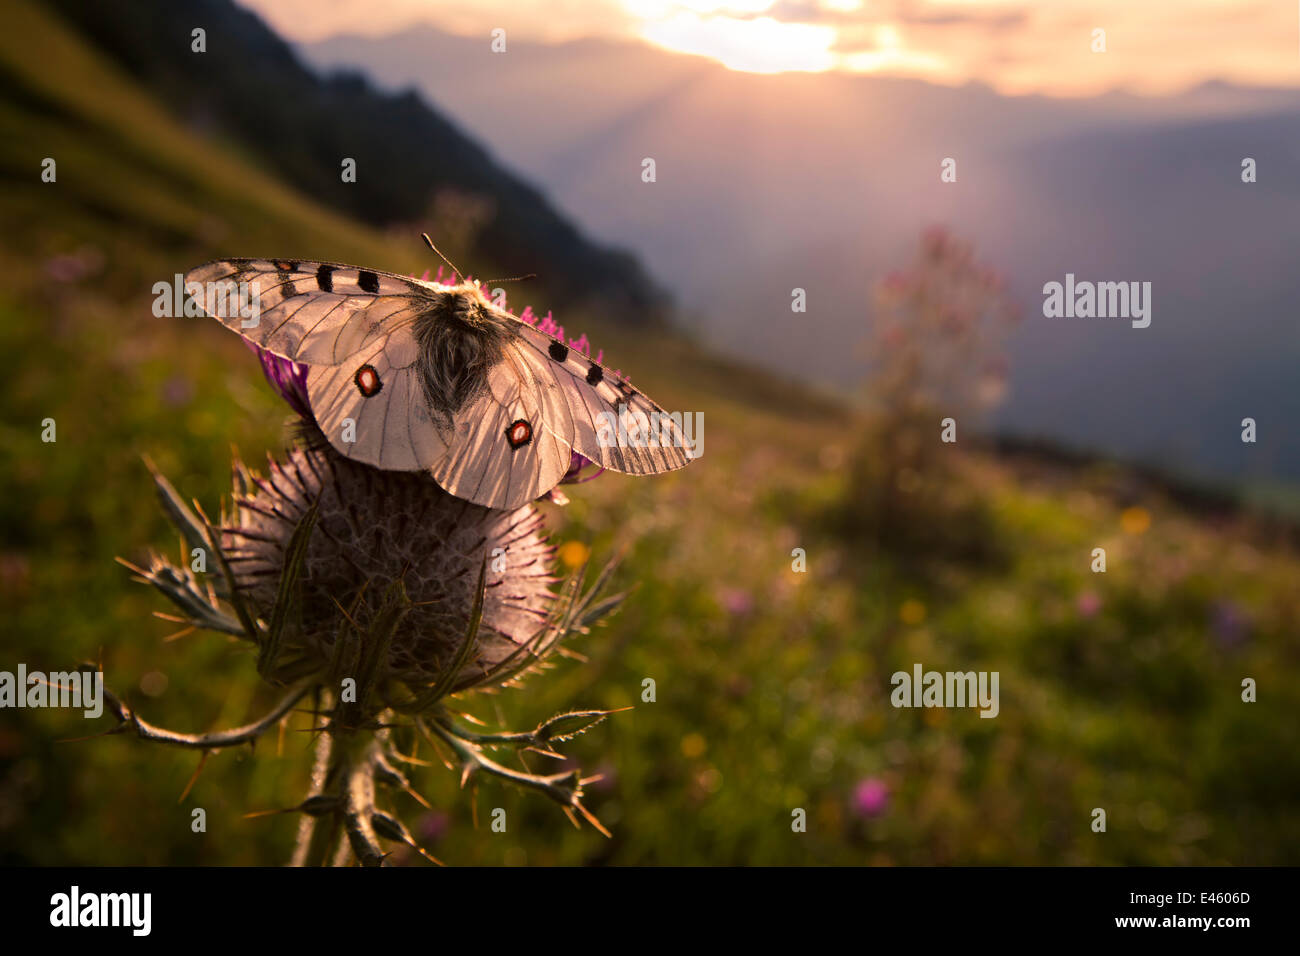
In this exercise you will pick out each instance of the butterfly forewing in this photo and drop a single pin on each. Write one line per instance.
(598, 400)
(510, 445)
(320, 313)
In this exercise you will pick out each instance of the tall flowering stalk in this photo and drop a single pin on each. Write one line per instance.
(935, 353)
(938, 331)
(377, 597)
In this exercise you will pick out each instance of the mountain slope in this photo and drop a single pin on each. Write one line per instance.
(413, 168)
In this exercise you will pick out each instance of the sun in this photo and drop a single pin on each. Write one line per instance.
(730, 32)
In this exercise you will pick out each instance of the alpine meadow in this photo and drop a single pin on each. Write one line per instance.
(522, 613)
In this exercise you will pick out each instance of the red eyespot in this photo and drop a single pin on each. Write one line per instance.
(367, 379)
(519, 433)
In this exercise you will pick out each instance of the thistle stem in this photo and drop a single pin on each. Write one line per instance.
(323, 834)
(359, 808)
(346, 763)
(307, 824)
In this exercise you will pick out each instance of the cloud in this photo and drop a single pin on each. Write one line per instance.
(1016, 46)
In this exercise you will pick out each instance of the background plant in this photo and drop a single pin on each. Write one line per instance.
(935, 352)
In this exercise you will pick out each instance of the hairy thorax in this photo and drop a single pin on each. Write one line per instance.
(460, 339)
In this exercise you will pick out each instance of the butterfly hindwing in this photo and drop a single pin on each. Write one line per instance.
(372, 407)
(513, 443)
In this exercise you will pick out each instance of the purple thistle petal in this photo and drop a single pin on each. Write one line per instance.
(576, 464)
(289, 378)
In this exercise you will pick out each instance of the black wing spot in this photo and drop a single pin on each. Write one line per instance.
(558, 352)
(368, 281)
(367, 381)
(519, 433)
(325, 278)
(595, 374)
(284, 272)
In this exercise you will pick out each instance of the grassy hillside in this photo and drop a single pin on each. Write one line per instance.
(1119, 691)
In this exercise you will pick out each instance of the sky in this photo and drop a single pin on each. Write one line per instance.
(1151, 47)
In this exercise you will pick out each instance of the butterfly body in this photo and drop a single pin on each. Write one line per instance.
(459, 339)
(410, 375)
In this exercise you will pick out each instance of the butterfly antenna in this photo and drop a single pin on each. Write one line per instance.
(429, 242)
(531, 275)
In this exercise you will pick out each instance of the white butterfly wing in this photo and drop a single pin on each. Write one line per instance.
(513, 443)
(318, 313)
(649, 442)
(372, 408)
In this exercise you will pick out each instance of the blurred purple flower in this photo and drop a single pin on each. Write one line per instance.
(432, 826)
(1229, 624)
(608, 774)
(289, 379)
(935, 241)
(576, 464)
(871, 797)
(177, 390)
(1088, 604)
(735, 601)
(64, 268)
(72, 267)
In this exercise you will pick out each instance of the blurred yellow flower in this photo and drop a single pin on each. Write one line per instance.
(911, 612)
(1135, 520)
(694, 745)
(574, 553)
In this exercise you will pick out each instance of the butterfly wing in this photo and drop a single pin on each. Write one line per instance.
(373, 410)
(649, 440)
(318, 313)
(514, 442)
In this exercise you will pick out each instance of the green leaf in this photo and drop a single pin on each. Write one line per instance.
(374, 650)
(178, 513)
(447, 679)
(180, 590)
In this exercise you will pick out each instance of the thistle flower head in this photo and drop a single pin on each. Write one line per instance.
(342, 574)
(375, 530)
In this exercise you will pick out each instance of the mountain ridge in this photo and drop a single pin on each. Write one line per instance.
(504, 221)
